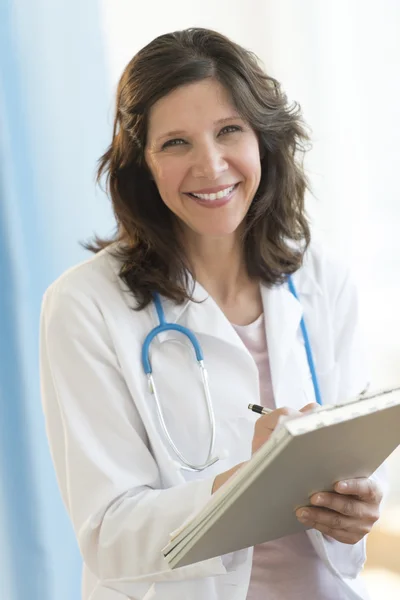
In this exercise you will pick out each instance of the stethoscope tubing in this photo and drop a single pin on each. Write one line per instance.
(165, 326)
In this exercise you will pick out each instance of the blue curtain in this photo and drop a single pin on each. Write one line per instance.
(55, 121)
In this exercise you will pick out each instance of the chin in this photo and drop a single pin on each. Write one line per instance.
(218, 231)
(214, 227)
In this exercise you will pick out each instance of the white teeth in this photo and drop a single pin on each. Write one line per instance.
(217, 196)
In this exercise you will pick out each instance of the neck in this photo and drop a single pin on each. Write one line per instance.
(219, 265)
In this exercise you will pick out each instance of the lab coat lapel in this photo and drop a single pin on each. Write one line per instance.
(283, 313)
(203, 316)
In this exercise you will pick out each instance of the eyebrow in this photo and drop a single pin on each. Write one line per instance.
(182, 131)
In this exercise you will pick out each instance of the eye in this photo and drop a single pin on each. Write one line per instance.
(230, 129)
(174, 142)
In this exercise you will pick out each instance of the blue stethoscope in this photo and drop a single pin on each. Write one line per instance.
(165, 326)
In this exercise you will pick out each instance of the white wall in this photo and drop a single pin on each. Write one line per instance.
(340, 60)
(125, 32)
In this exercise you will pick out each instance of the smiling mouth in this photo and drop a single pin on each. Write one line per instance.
(215, 196)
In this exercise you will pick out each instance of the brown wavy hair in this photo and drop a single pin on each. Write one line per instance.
(276, 232)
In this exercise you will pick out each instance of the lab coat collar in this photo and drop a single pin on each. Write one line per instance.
(275, 298)
(283, 313)
(201, 315)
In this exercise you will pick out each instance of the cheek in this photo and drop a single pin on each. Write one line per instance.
(168, 177)
(249, 161)
(251, 169)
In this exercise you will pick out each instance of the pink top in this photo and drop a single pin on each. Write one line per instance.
(288, 568)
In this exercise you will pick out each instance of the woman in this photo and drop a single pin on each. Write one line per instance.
(208, 191)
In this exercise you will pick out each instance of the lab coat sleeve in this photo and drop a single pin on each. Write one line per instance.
(352, 380)
(108, 478)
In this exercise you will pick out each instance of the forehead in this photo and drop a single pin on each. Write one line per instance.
(190, 107)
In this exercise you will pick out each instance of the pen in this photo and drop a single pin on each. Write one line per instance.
(261, 410)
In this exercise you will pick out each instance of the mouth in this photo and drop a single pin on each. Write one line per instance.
(222, 194)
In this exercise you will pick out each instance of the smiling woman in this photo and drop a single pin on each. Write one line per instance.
(196, 115)
(205, 176)
(211, 165)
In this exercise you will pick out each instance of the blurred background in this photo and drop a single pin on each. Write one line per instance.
(59, 66)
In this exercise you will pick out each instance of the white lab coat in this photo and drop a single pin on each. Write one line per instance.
(123, 489)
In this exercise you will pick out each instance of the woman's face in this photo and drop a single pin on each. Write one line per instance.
(203, 157)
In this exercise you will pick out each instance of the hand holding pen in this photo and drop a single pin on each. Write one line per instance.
(263, 429)
(266, 424)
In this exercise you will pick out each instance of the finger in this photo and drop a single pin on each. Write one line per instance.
(349, 506)
(308, 407)
(270, 420)
(312, 517)
(366, 489)
(315, 518)
(265, 425)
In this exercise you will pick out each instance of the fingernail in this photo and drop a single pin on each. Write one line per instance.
(318, 499)
(343, 486)
(304, 515)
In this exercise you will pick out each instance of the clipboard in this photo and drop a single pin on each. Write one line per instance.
(304, 455)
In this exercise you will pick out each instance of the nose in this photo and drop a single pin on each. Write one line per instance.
(209, 162)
